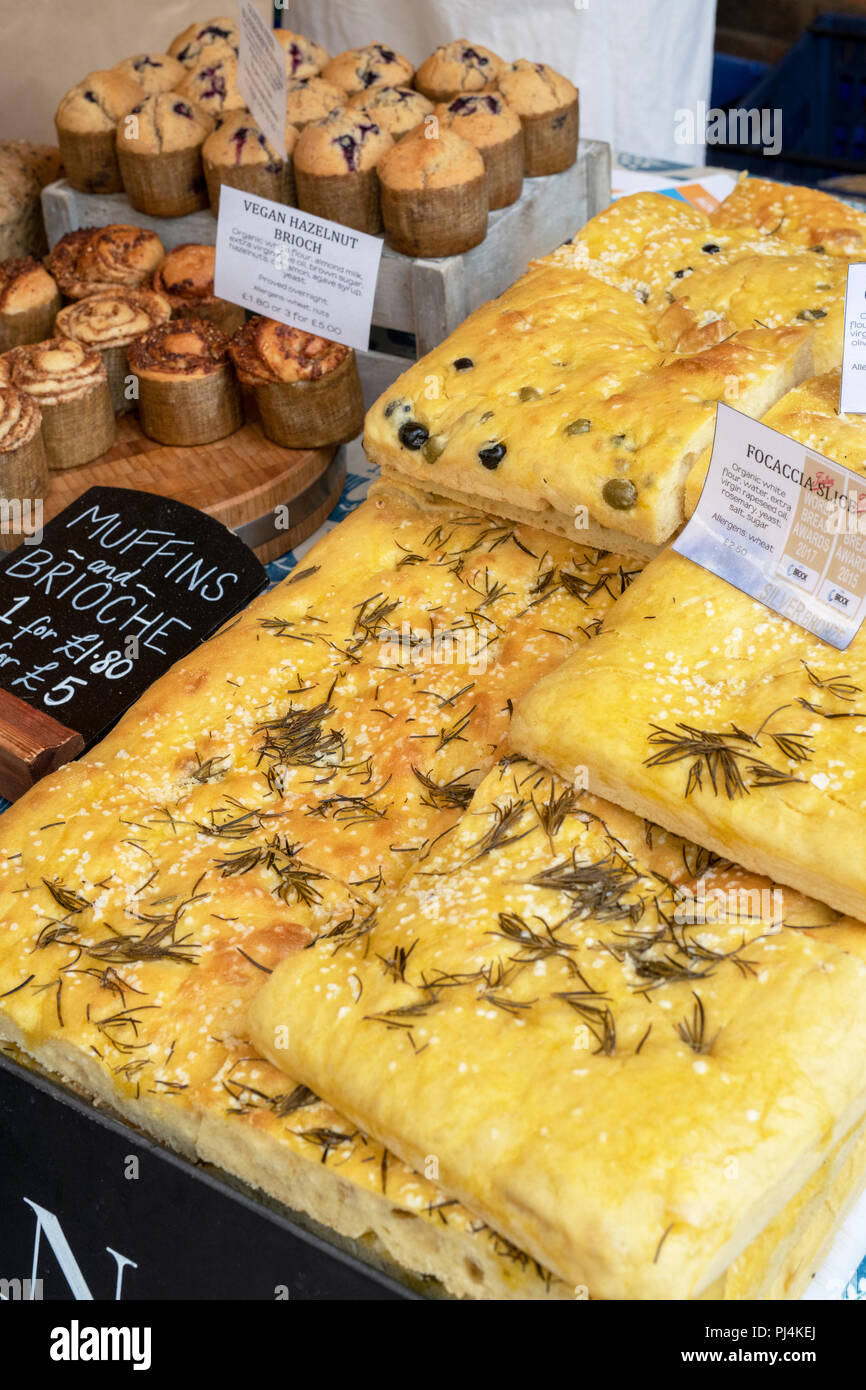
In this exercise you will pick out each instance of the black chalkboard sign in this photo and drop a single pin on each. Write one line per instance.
(116, 588)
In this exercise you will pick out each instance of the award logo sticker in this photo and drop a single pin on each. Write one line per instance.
(784, 525)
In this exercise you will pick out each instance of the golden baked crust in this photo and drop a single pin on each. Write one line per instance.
(55, 371)
(304, 57)
(418, 163)
(266, 351)
(483, 120)
(218, 33)
(733, 726)
(104, 258)
(708, 281)
(165, 123)
(181, 348)
(804, 217)
(113, 318)
(237, 140)
(20, 419)
(154, 72)
(534, 89)
(311, 99)
(395, 109)
(363, 69)
(213, 83)
(279, 782)
(24, 285)
(459, 66)
(629, 1097)
(345, 142)
(558, 399)
(98, 103)
(809, 413)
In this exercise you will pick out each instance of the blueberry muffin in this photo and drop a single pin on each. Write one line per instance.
(375, 65)
(456, 69)
(29, 301)
(188, 46)
(86, 122)
(186, 279)
(547, 104)
(434, 194)
(307, 388)
(304, 57)
(238, 154)
(213, 83)
(311, 99)
(154, 72)
(94, 259)
(335, 169)
(159, 152)
(396, 109)
(489, 124)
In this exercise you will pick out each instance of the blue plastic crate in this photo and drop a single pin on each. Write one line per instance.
(820, 88)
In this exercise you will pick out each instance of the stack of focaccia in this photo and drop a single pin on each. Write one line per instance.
(381, 899)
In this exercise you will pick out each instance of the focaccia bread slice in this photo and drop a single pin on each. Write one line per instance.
(809, 413)
(732, 726)
(558, 404)
(633, 1059)
(800, 216)
(275, 784)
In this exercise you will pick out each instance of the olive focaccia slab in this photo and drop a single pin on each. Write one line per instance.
(584, 394)
(278, 783)
(637, 1062)
(555, 405)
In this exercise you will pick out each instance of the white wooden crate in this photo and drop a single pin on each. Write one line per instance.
(428, 298)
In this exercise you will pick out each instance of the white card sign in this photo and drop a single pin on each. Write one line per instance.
(262, 76)
(300, 269)
(785, 525)
(853, 397)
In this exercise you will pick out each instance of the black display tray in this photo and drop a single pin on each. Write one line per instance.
(74, 1217)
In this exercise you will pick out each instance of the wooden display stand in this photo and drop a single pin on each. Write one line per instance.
(272, 498)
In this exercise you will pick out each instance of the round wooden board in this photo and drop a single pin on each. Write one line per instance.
(241, 480)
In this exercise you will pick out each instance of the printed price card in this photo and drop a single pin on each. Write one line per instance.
(262, 76)
(853, 397)
(302, 270)
(785, 525)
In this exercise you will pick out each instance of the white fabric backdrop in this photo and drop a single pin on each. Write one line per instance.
(635, 61)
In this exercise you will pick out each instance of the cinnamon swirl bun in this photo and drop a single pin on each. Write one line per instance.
(23, 470)
(69, 383)
(188, 393)
(104, 258)
(307, 388)
(109, 322)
